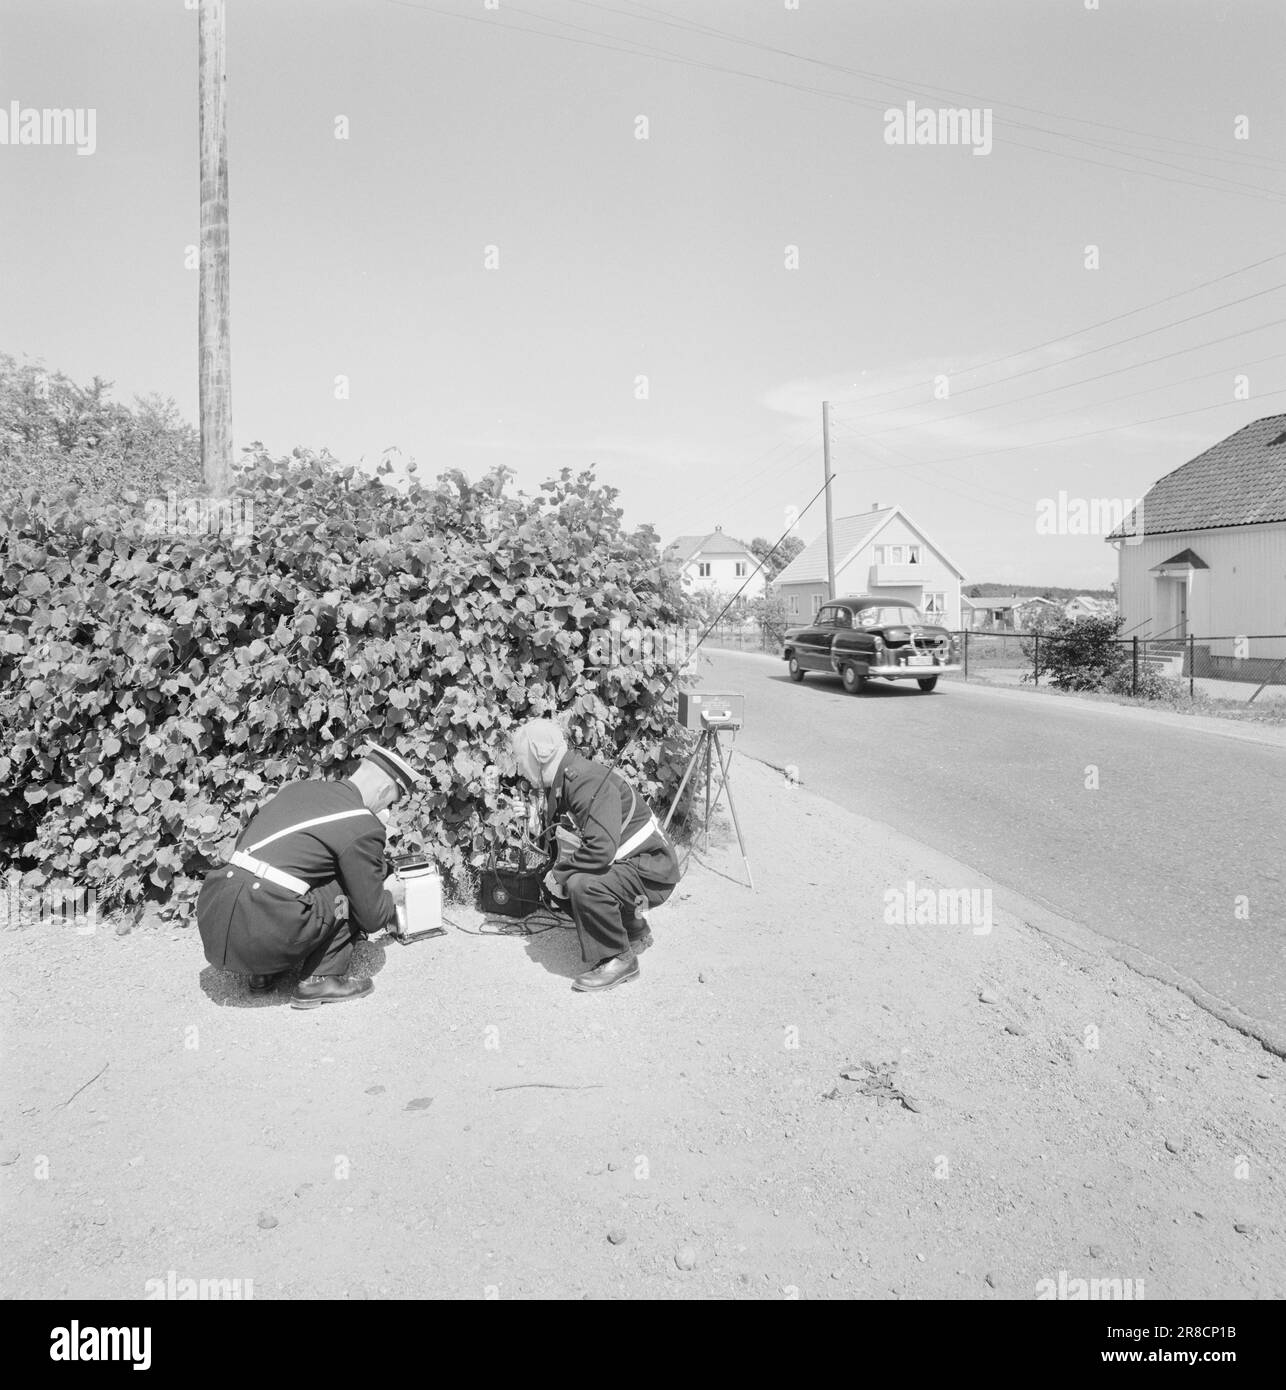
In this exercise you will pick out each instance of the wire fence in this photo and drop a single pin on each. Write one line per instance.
(1246, 667)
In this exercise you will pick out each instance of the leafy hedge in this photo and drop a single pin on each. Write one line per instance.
(156, 685)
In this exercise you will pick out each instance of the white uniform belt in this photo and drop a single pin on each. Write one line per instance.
(242, 860)
(640, 837)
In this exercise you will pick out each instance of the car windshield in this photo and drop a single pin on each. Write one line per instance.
(887, 613)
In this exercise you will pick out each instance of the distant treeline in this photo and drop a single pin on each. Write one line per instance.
(1031, 591)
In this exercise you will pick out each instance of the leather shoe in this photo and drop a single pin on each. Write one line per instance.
(328, 989)
(261, 984)
(609, 973)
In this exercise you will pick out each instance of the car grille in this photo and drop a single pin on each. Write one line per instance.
(939, 648)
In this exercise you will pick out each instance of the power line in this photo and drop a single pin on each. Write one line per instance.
(1078, 332)
(776, 463)
(955, 491)
(1090, 352)
(1085, 381)
(641, 50)
(1093, 405)
(1086, 434)
(885, 79)
(900, 85)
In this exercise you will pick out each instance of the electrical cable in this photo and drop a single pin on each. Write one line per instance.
(1085, 381)
(902, 84)
(1090, 352)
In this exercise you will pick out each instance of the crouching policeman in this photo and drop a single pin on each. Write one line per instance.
(616, 863)
(306, 881)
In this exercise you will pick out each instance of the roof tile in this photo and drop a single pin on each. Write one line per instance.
(1241, 481)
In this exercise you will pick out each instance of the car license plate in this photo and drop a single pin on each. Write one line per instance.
(919, 661)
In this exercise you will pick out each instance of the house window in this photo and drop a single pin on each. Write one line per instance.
(703, 569)
(935, 604)
(794, 603)
(741, 569)
(817, 602)
(897, 554)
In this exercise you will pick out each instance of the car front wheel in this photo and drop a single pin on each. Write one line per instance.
(927, 683)
(795, 673)
(853, 679)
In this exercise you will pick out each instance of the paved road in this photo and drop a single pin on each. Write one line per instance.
(1182, 823)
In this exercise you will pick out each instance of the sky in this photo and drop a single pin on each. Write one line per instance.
(674, 309)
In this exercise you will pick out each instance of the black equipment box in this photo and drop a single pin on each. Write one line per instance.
(510, 888)
(701, 709)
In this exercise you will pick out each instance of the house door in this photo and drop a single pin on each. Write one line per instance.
(1181, 607)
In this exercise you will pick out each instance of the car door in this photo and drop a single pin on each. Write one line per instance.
(841, 632)
(813, 647)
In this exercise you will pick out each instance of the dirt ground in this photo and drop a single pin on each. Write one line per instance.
(475, 1129)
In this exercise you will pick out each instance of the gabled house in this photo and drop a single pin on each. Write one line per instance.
(1013, 614)
(880, 552)
(715, 562)
(1204, 554)
(1087, 606)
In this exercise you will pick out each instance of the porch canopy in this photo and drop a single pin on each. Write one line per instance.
(1180, 565)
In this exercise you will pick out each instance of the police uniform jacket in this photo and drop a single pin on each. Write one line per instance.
(251, 925)
(606, 814)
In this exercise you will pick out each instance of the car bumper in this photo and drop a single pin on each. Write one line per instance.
(910, 672)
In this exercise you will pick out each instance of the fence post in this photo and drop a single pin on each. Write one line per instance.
(1035, 680)
(1134, 676)
(966, 653)
(1192, 666)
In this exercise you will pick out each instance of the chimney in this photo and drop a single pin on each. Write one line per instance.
(875, 506)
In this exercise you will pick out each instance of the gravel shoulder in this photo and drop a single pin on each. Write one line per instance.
(475, 1129)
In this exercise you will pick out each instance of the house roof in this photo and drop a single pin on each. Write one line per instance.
(1013, 601)
(1241, 481)
(685, 548)
(1185, 559)
(851, 534)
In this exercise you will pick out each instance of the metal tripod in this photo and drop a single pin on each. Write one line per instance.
(709, 744)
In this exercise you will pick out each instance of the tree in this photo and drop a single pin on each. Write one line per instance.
(781, 557)
(55, 434)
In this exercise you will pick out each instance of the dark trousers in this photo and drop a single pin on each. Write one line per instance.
(333, 952)
(258, 929)
(604, 906)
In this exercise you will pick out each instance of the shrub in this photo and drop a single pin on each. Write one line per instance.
(154, 686)
(1082, 655)
(1151, 684)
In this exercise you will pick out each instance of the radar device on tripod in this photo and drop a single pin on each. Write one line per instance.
(711, 713)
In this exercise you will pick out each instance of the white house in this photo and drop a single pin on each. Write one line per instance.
(1087, 606)
(715, 562)
(1016, 613)
(878, 552)
(1209, 559)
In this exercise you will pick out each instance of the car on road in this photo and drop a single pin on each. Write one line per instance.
(867, 637)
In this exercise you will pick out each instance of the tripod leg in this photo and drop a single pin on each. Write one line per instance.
(741, 844)
(709, 738)
(678, 796)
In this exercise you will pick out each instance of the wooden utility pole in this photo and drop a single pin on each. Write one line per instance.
(215, 342)
(830, 519)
